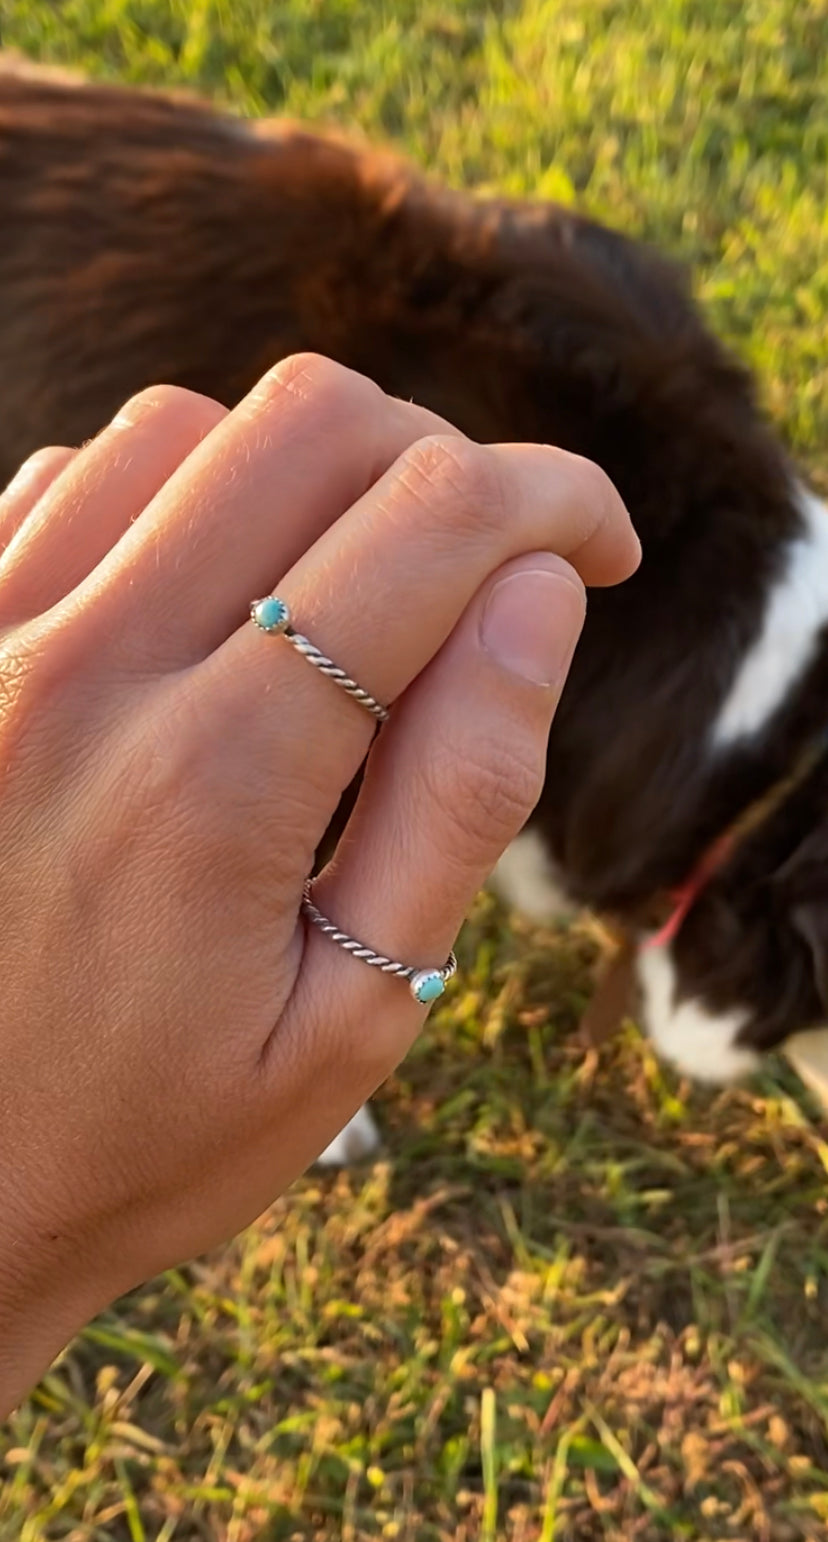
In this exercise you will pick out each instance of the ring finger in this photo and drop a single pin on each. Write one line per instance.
(300, 449)
(381, 591)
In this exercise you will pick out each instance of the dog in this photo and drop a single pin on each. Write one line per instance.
(152, 238)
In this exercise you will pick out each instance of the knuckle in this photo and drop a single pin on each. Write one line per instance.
(169, 401)
(317, 382)
(459, 480)
(161, 396)
(305, 373)
(487, 793)
(189, 406)
(45, 457)
(39, 461)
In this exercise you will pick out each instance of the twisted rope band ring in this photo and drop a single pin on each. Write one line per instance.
(425, 985)
(272, 615)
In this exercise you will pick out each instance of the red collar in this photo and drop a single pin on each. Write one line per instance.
(757, 813)
(684, 898)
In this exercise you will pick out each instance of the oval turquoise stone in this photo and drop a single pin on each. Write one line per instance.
(429, 987)
(271, 614)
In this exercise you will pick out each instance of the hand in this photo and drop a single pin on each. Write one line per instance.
(177, 1045)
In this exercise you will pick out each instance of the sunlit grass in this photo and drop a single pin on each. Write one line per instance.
(574, 1302)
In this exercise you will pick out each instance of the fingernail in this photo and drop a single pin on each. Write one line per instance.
(531, 623)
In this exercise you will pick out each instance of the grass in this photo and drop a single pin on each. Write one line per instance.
(575, 1301)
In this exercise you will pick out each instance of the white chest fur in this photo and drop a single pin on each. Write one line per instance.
(796, 611)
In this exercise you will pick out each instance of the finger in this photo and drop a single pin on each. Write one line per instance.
(27, 486)
(380, 593)
(299, 450)
(450, 783)
(101, 490)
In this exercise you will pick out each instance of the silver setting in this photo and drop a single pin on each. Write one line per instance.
(315, 657)
(417, 978)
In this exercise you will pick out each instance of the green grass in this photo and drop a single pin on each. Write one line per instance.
(575, 1302)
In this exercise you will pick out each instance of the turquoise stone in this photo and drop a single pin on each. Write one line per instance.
(271, 615)
(428, 985)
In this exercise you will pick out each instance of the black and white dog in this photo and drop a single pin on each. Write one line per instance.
(149, 238)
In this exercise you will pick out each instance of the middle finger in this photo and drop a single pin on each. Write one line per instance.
(281, 468)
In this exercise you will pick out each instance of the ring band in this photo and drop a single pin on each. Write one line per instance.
(273, 616)
(425, 985)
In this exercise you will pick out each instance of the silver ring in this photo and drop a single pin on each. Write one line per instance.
(273, 616)
(425, 985)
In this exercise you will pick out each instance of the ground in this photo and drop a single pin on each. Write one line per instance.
(574, 1300)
